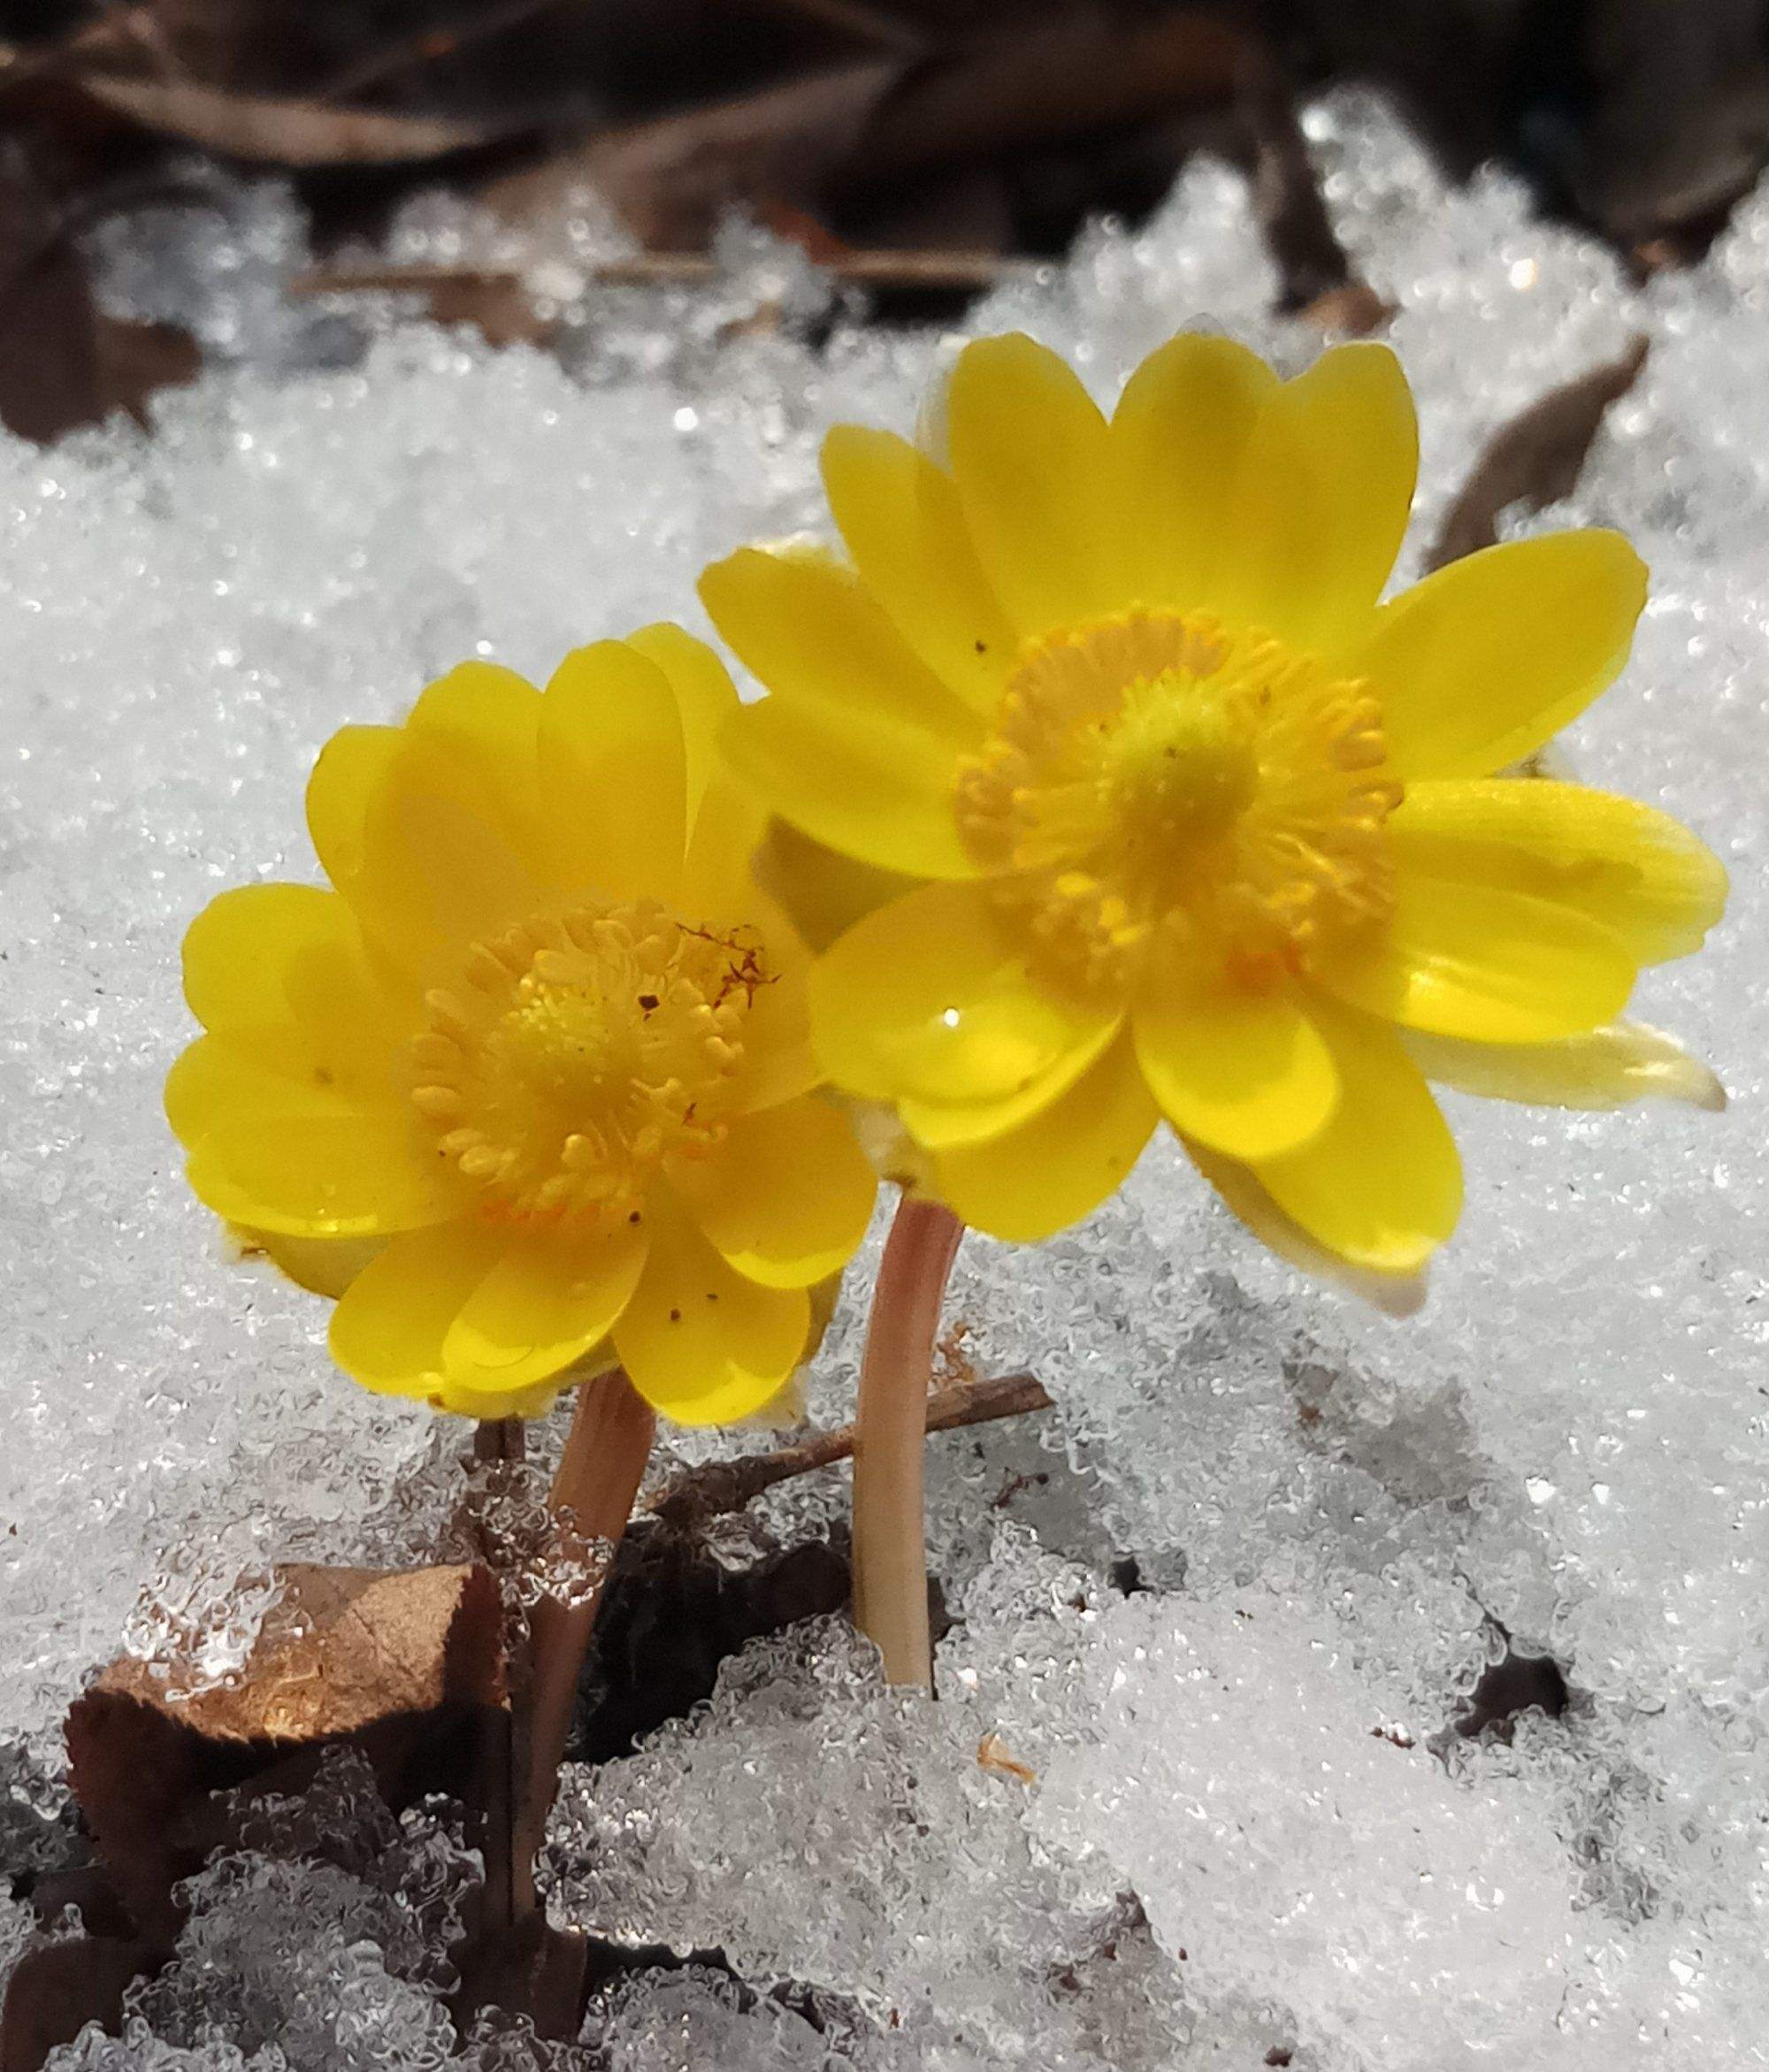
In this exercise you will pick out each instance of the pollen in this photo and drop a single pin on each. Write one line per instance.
(578, 1052)
(1156, 785)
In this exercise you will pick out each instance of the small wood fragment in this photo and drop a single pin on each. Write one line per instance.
(991, 1754)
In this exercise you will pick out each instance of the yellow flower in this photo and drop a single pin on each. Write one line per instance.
(530, 1089)
(1150, 809)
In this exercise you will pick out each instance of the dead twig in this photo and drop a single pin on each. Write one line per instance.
(720, 1487)
(1535, 459)
(430, 46)
(1316, 273)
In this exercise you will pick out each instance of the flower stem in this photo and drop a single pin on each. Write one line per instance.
(606, 1449)
(890, 1549)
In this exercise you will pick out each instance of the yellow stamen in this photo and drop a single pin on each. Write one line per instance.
(580, 1052)
(1157, 784)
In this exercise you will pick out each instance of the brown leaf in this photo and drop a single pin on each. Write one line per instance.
(860, 128)
(56, 1988)
(671, 179)
(1536, 457)
(399, 1663)
(48, 363)
(272, 131)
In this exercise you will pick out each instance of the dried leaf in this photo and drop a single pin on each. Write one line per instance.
(672, 178)
(392, 1661)
(1536, 457)
(49, 362)
(56, 1988)
(272, 131)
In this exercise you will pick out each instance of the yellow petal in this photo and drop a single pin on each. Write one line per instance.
(238, 950)
(347, 774)
(1050, 1172)
(902, 523)
(809, 629)
(778, 1063)
(1245, 1073)
(786, 1197)
(1398, 1295)
(931, 997)
(1320, 503)
(1463, 958)
(728, 823)
(938, 1125)
(388, 1328)
(702, 1342)
(487, 721)
(1636, 870)
(1178, 438)
(824, 892)
(705, 698)
(1480, 663)
(1029, 454)
(438, 871)
(548, 1299)
(1381, 1186)
(1604, 1068)
(613, 774)
(868, 787)
(306, 1174)
(322, 1265)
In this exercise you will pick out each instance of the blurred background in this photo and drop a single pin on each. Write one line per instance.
(919, 151)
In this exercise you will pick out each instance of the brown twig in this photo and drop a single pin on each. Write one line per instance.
(429, 47)
(1535, 458)
(1315, 274)
(498, 1439)
(856, 269)
(869, 24)
(720, 1487)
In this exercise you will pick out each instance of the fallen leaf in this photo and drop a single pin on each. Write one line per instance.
(1535, 458)
(272, 131)
(48, 360)
(991, 1754)
(57, 1987)
(406, 1664)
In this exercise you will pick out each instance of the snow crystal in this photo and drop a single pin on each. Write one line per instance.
(1229, 1815)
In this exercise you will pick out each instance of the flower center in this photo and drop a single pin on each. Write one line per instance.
(1158, 785)
(579, 1052)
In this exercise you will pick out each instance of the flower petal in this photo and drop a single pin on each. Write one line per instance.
(1604, 1068)
(1636, 870)
(388, 1328)
(867, 786)
(809, 629)
(1050, 1172)
(700, 1342)
(437, 873)
(1029, 454)
(613, 773)
(548, 1299)
(823, 891)
(487, 720)
(346, 776)
(1247, 1073)
(322, 1265)
(1398, 1295)
(931, 997)
(1463, 958)
(1480, 663)
(903, 523)
(1320, 502)
(786, 1197)
(311, 1174)
(938, 1125)
(705, 698)
(1381, 1186)
(1178, 438)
